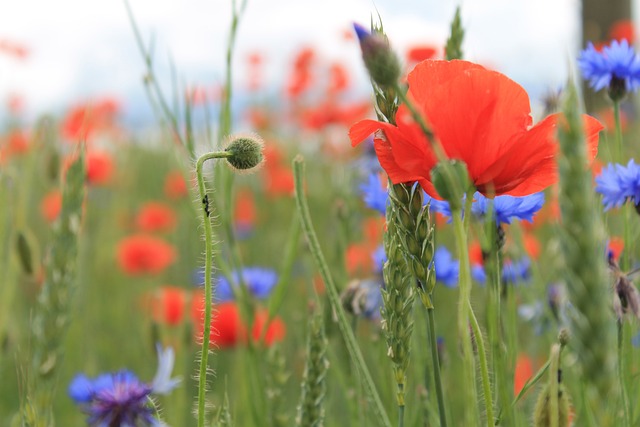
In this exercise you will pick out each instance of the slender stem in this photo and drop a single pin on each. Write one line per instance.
(616, 117)
(401, 406)
(208, 285)
(332, 292)
(623, 386)
(463, 318)
(484, 369)
(436, 366)
(554, 411)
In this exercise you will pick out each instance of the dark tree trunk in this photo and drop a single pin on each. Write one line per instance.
(597, 18)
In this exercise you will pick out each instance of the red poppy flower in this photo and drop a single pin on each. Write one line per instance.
(623, 30)
(420, 53)
(99, 167)
(51, 205)
(167, 305)
(275, 331)
(615, 247)
(140, 254)
(227, 329)
(522, 373)
(279, 181)
(175, 187)
(480, 117)
(245, 211)
(156, 216)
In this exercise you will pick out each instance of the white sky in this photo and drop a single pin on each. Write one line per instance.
(81, 49)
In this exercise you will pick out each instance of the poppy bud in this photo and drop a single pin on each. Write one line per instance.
(381, 62)
(246, 152)
(451, 180)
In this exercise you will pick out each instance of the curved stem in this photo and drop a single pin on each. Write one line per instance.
(436, 367)
(208, 285)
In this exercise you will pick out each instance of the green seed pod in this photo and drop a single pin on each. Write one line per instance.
(246, 152)
(451, 180)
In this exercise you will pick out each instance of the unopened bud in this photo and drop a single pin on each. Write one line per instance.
(381, 62)
(451, 180)
(246, 152)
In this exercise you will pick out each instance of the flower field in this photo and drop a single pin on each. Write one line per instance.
(432, 253)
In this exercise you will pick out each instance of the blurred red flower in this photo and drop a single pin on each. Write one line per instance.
(14, 49)
(522, 372)
(156, 216)
(479, 116)
(83, 121)
(245, 210)
(623, 30)
(227, 328)
(51, 205)
(275, 330)
(615, 247)
(167, 305)
(338, 79)
(279, 181)
(99, 167)
(175, 186)
(141, 254)
(419, 53)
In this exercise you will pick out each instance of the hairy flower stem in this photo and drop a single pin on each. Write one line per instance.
(624, 397)
(471, 413)
(334, 297)
(494, 322)
(436, 366)
(208, 285)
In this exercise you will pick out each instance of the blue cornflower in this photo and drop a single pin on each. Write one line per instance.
(438, 206)
(259, 281)
(508, 208)
(375, 196)
(616, 64)
(512, 272)
(120, 398)
(379, 258)
(447, 268)
(617, 183)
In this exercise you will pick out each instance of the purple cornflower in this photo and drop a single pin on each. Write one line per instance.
(120, 398)
(447, 268)
(616, 67)
(508, 208)
(617, 183)
(375, 196)
(259, 281)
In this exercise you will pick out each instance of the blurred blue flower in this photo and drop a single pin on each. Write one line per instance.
(259, 281)
(616, 61)
(120, 398)
(447, 268)
(508, 208)
(617, 183)
(513, 272)
(375, 196)
(516, 272)
(363, 298)
(379, 258)
(438, 206)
